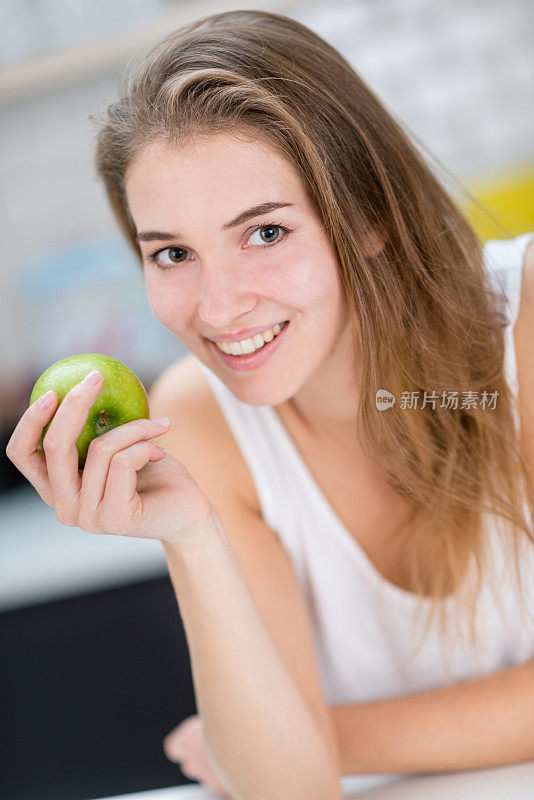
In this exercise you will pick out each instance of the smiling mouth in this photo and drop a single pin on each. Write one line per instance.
(282, 324)
(222, 345)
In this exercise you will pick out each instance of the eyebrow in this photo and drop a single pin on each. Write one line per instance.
(255, 211)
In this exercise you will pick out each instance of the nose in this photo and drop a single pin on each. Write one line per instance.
(223, 301)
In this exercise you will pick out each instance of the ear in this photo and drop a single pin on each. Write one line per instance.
(374, 243)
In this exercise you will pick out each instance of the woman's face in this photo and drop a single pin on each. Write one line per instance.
(210, 278)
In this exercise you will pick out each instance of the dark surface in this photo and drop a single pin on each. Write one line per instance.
(89, 686)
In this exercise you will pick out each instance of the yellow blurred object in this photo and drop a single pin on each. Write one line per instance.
(509, 199)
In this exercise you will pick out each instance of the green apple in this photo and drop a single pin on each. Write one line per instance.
(122, 398)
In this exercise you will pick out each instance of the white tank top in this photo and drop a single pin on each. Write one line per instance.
(363, 625)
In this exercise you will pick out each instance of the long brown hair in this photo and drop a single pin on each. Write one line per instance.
(425, 315)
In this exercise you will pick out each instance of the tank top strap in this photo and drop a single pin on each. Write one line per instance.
(504, 261)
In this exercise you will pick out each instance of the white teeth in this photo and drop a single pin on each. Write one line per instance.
(249, 345)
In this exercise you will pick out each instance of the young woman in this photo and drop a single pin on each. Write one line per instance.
(344, 451)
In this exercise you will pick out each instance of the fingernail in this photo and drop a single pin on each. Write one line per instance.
(93, 377)
(163, 421)
(46, 399)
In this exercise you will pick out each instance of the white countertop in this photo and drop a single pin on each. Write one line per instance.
(513, 782)
(42, 560)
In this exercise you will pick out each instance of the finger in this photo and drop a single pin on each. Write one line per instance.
(189, 771)
(60, 444)
(175, 747)
(22, 446)
(174, 743)
(172, 751)
(101, 451)
(121, 509)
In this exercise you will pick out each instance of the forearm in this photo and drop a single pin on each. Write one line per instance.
(485, 722)
(260, 733)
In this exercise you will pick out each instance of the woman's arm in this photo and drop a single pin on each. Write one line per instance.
(262, 738)
(485, 722)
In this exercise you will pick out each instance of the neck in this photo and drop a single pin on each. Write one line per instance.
(326, 405)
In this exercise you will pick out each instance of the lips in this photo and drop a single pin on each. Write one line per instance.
(265, 343)
(244, 363)
(244, 333)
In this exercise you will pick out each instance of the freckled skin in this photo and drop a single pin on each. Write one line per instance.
(228, 282)
(122, 398)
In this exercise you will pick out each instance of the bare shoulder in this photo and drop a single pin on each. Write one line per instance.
(199, 435)
(181, 383)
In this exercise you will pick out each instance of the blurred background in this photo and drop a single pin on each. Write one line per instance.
(94, 661)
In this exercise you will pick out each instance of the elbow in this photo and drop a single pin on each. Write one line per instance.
(327, 786)
(335, 792)
(309, 787)
(333, 789)
(330, 782)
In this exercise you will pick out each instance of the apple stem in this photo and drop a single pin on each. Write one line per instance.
(103, 421)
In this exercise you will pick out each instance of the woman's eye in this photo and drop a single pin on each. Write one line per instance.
(168, 257)
(269, 235)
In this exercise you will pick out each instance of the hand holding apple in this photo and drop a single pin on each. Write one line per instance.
(128, 486)
(123, 397)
